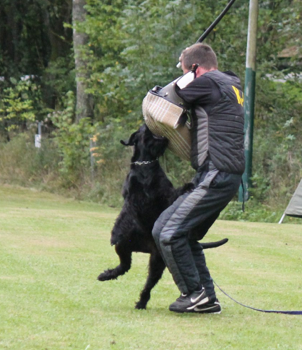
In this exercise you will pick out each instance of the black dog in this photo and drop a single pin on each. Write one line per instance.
(147, 193)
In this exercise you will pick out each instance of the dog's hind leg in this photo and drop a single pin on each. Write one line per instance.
(156, 269)
(124, 252)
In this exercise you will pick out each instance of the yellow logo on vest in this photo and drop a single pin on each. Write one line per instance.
(239, 95)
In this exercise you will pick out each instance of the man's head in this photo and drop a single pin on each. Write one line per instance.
(200, 54)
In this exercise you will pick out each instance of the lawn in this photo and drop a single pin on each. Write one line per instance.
(52, 250)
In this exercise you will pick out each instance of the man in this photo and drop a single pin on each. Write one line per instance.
(217, 155)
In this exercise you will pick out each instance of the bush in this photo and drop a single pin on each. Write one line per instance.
(254, 211)
(21, 102)
(23, 164)
(73, 141)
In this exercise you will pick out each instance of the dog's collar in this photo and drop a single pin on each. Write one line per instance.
(145, 162)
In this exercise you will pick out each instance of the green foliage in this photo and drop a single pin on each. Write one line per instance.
(21, 102)
(141, 46)
(277, 154)
(32, 34)
(105, 44)
(23, 164)
(254, 211)
(58, 78)
(73, 141)
(14, 105)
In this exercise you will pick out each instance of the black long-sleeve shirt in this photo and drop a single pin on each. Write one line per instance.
(202, 91)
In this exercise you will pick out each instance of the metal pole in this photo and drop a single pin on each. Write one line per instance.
(249, 98)
(282, 218)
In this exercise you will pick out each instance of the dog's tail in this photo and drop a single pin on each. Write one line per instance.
(214, 244)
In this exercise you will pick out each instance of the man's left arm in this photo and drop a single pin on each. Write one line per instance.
(198, 91)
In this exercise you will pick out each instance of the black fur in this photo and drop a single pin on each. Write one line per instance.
(147, 192)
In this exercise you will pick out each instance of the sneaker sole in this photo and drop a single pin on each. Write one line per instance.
(201, 311)
(209, 310)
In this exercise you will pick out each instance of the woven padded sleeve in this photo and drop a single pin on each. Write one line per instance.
(163, 118)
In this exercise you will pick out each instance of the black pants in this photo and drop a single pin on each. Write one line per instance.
(178, 229)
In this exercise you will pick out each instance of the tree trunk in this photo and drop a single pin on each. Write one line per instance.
(84, 101)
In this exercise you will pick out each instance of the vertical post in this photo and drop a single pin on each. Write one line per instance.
(40, 128)
(38, 136)
(249, 98)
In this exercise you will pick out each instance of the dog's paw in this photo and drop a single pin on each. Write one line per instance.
(106, 276)
(102, 277)
(189, 187)
(140, 305)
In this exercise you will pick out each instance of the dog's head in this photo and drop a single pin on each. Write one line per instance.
(147, 146)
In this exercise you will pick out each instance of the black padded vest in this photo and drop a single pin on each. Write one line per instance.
(219, 135)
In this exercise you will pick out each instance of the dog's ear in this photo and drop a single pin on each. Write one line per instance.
(130, 142)
(124, 143)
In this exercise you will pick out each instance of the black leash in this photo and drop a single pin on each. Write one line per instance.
(211, 27)
(214, 24)
(253, 308)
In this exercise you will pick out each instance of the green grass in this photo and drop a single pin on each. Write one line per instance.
(52, 249)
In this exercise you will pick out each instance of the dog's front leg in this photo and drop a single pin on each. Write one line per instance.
(156, 269)
(124, 252)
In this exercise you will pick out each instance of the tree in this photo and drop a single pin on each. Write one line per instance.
(80, 40)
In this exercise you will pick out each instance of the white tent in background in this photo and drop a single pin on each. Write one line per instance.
(294, 207)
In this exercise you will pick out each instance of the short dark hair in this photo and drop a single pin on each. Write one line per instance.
(199, 53)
